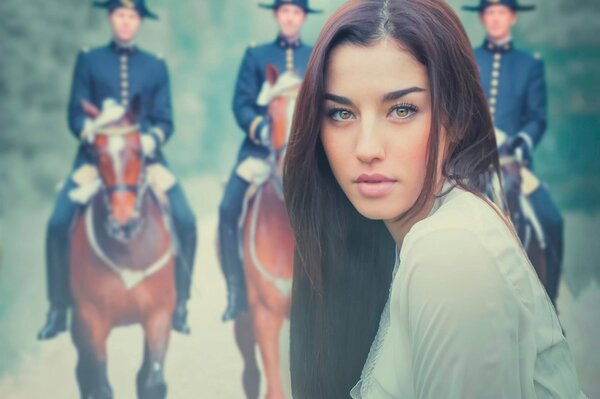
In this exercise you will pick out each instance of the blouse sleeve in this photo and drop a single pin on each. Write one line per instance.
(462, 317)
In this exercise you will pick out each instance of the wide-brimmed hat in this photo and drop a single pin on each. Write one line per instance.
(303, 4)
(512, 4)
(137, 5)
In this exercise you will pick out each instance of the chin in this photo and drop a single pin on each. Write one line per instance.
(376, 211)
(125, 38)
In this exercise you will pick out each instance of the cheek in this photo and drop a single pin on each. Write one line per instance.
(408, 152)
(336, 150)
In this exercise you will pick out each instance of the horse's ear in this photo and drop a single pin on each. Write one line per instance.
(90, 109)
(272, 74)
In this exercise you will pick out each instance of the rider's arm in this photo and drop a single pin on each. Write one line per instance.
(80, 91)
(535, 106)
(247, 113)
(161, 114)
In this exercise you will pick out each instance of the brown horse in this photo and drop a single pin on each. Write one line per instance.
(268, 248)
(518, 183)
(122, 265)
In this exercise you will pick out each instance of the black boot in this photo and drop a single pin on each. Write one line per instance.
(56, 323)
(184, 223)
(237, 301)
(57, 268)
(179, 318)
(233, 269)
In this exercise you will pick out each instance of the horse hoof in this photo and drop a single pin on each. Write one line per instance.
(155, 392)
(151, 385)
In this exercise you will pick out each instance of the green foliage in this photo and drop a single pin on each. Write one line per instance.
(203, 42)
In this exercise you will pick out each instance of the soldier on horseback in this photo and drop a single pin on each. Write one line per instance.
(121, 71)
(513, 81)
(286, 53)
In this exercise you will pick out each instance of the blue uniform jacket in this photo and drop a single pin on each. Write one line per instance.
(130, 76)
(252, 73)
(513, 81)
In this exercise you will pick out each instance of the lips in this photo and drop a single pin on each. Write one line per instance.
(374, 185)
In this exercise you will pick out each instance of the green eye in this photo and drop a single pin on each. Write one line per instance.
(340, 115)
(345, 115)
(403, 111)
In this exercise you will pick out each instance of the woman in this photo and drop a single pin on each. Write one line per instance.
(393, 146)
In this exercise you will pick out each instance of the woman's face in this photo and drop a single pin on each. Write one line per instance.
(376, 126)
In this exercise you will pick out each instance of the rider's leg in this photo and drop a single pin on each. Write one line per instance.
(553, 226)
(184, 222)
(229, 214)
(57, 262)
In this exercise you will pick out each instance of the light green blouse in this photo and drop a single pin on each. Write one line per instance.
(467, 316)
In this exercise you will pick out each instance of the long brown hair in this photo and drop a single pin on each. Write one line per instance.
(343, 261)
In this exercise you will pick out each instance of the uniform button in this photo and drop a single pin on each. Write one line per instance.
(124, 93)
(124, 84)
(493, 101)
(494, 82)
(492, 110)
(497, 56)
(494, 92)
(495, 73)
(496, 65)
(123, 58)
(125, 102)
(124, 75)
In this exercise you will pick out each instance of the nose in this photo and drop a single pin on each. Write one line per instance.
(123, 207)
(369, 145)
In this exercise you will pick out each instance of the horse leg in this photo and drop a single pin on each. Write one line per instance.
(89, 334)
(267, 325)
(244, 337)
(150, 379)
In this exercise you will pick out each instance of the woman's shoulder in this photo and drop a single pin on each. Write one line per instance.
(460, 211)
(465, 238)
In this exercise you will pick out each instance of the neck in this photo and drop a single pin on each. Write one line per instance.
(123, 43)
(290, 39)
(400, 227)
(498, 41)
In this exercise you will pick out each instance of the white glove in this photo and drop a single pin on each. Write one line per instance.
(148, 145)
(264, 133)
(89, 131)
(112, 111)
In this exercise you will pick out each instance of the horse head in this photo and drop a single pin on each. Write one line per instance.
(279, 94)
(117, 150)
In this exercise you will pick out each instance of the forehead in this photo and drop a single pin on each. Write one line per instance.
(379, 68)
(125, 11)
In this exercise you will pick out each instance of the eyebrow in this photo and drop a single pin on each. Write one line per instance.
(394, 95)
